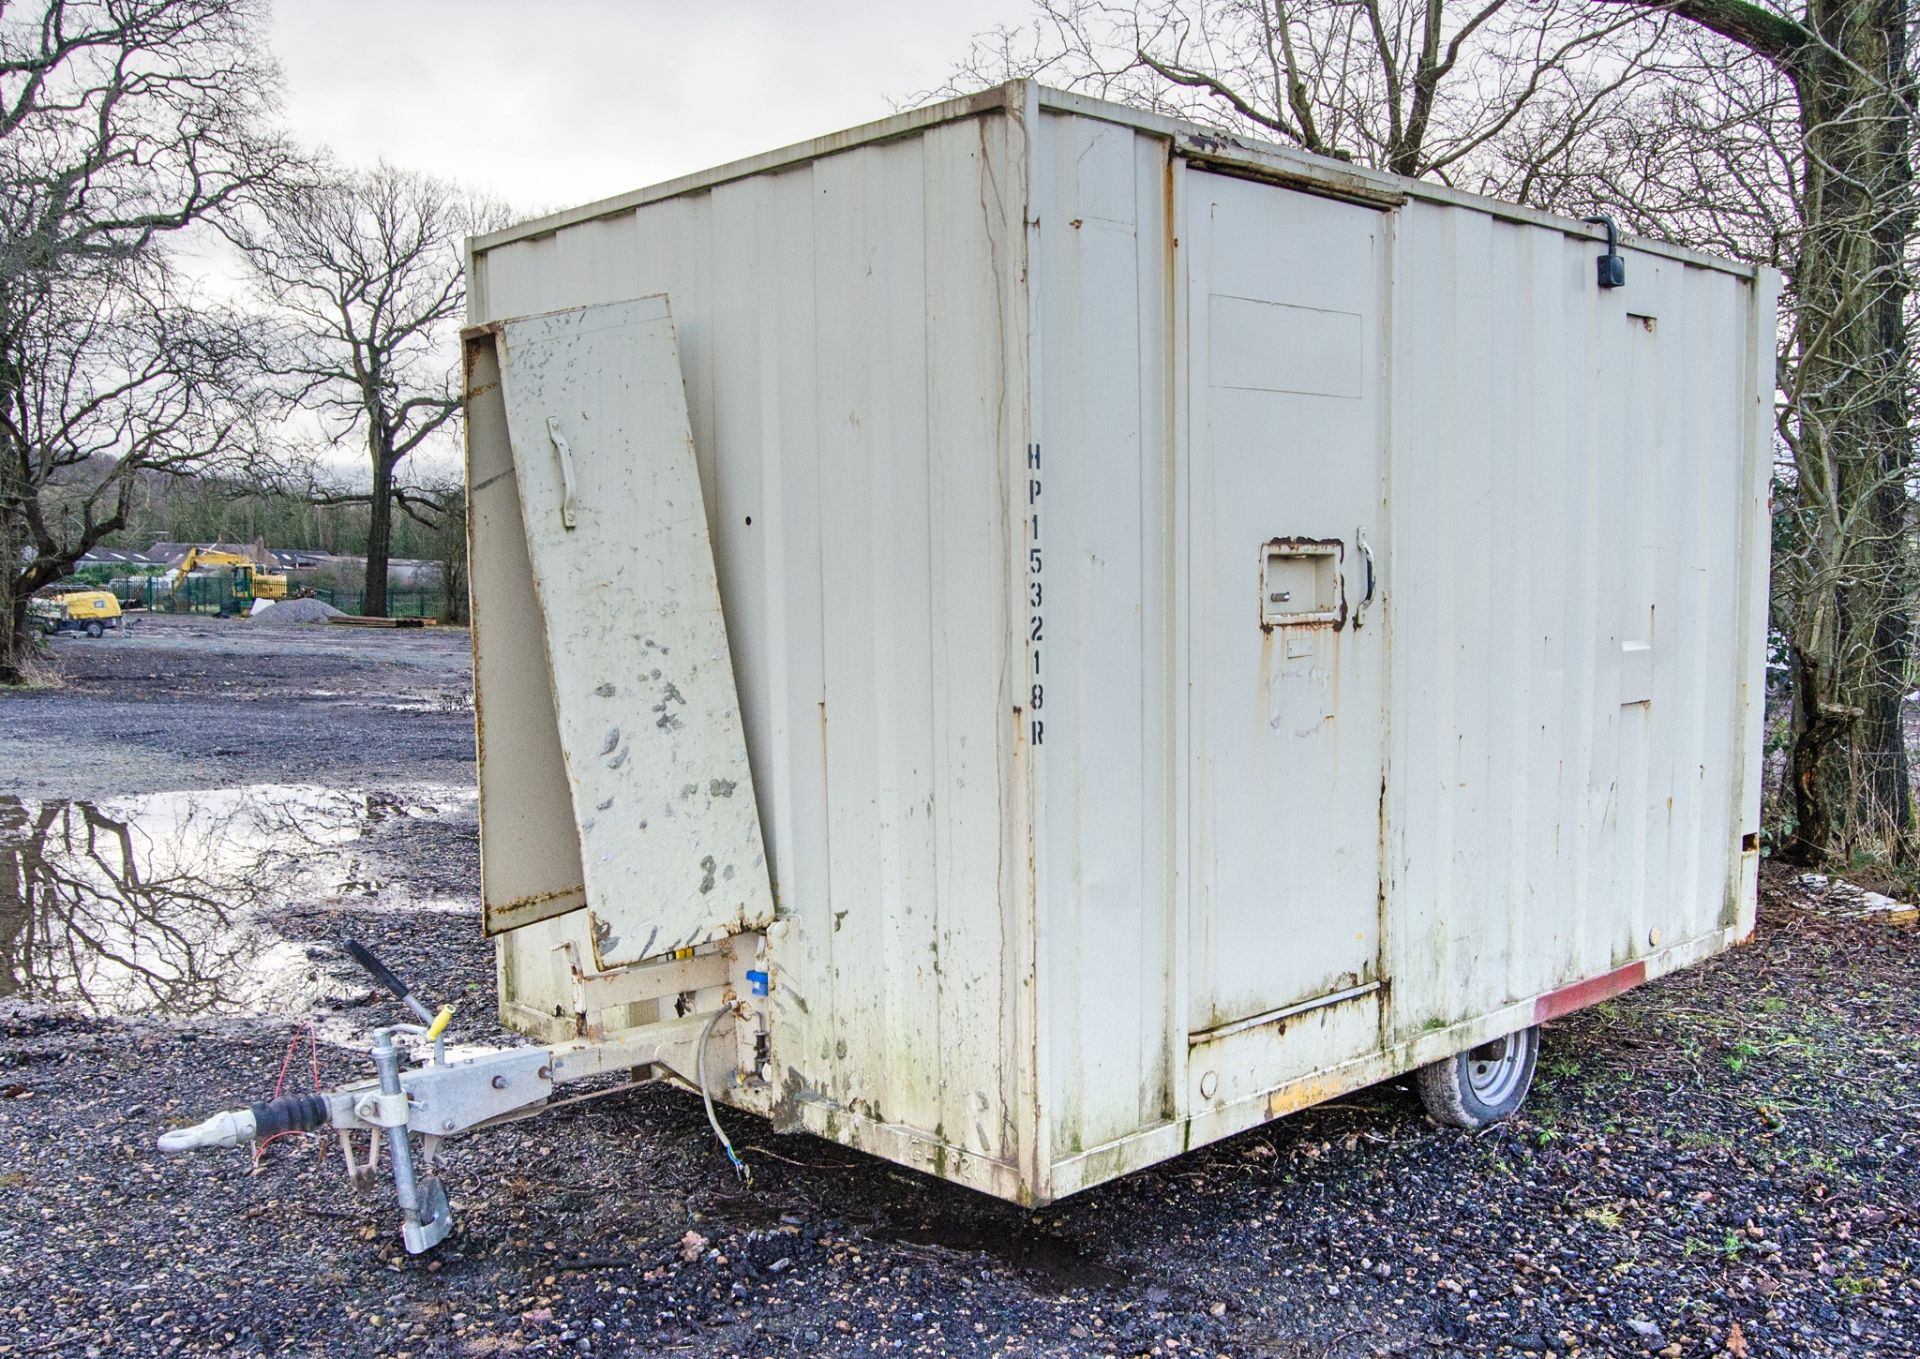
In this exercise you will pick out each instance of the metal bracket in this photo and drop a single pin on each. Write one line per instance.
(672, 1043)
(638, 982)
(381, 1110)
(473, 1090)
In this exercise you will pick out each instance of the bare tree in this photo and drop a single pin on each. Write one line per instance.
(1823, 113)
(1778, 133)
(449, 543)
(122, 122)
(1418, 87)
(115, 378)
(366, 272)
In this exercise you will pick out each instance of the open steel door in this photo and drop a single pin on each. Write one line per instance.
(642, 685)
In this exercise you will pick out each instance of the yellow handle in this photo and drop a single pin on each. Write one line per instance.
(440, 1022)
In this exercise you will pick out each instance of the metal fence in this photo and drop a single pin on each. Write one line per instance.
(213, 594)
(410, 602)
(196, 594)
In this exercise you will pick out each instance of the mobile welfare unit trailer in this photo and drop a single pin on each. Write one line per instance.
(1027, 637)
(1212, 628)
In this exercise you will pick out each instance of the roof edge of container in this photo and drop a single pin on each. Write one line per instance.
(1000, 97)
(1189, 138)
(1343, 179)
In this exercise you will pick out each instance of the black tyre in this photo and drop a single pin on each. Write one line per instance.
(94, 630)
(1481, 1085)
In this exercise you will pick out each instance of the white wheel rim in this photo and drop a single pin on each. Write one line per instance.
(1495, 1071)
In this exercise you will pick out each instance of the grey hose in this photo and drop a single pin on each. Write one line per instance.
(706, 1096)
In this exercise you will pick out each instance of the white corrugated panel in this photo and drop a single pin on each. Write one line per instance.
(1571, 483)
(637, 655)
(844, 356)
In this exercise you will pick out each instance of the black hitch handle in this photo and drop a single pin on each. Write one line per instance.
(376, 969)
(383, 974)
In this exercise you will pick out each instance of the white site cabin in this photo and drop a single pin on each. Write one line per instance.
(1097, 635)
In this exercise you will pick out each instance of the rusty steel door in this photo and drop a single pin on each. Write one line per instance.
(1284, 322)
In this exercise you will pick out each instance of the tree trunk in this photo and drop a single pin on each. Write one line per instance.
(17, 644)
(15, 487)
(17, 589)
(453, 563)
(379, 536)
(18, 580)
(14, 641)
(1851, 622)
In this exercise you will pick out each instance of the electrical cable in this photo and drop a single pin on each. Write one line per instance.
(706, 1096)
(260, 1144)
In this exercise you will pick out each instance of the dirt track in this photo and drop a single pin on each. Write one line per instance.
(1734, 1147)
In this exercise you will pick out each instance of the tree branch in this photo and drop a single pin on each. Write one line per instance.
(1762, 31)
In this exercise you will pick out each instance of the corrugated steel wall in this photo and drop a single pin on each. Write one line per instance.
(1105, 773)
(845, 363)
(1575, 484)
(1570, 490)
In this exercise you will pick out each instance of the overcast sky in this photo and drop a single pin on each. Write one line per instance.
(549, 103)
(545, 104)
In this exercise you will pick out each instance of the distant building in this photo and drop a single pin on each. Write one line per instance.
(280, 558)
(121, 559)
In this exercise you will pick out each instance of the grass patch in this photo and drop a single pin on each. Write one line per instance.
(1605, 1215)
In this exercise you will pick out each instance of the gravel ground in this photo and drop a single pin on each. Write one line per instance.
(1723, 1162)
(185, 702)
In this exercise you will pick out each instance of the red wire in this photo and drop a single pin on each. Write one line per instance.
(286, 1063)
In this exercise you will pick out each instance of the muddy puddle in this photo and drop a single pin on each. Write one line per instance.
(1057, 1263)
(440, 704)
(163, 904)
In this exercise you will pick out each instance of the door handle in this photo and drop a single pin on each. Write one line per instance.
(1366, 555)
(565, 452)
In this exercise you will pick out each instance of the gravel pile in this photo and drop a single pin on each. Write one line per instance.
(289, 611)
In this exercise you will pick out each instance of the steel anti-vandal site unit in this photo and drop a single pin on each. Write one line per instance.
(1083, 635)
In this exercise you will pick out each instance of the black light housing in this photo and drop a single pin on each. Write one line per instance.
(1612, 267)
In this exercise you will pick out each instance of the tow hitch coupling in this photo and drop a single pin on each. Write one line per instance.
(449, 1096)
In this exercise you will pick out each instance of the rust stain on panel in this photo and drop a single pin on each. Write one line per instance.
(1300, 1095)
(1329, 619)
(537, 898)
(1589, 992)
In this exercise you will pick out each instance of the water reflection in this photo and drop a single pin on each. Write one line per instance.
(156, 904)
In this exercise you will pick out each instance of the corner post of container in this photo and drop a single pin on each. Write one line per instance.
(1019, 123)
(1394, 427)
(1750, 624)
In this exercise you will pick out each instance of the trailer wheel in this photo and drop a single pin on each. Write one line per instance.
(94, 629)
(1481, 1085)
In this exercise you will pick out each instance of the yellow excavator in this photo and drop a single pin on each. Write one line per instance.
(245, 580)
